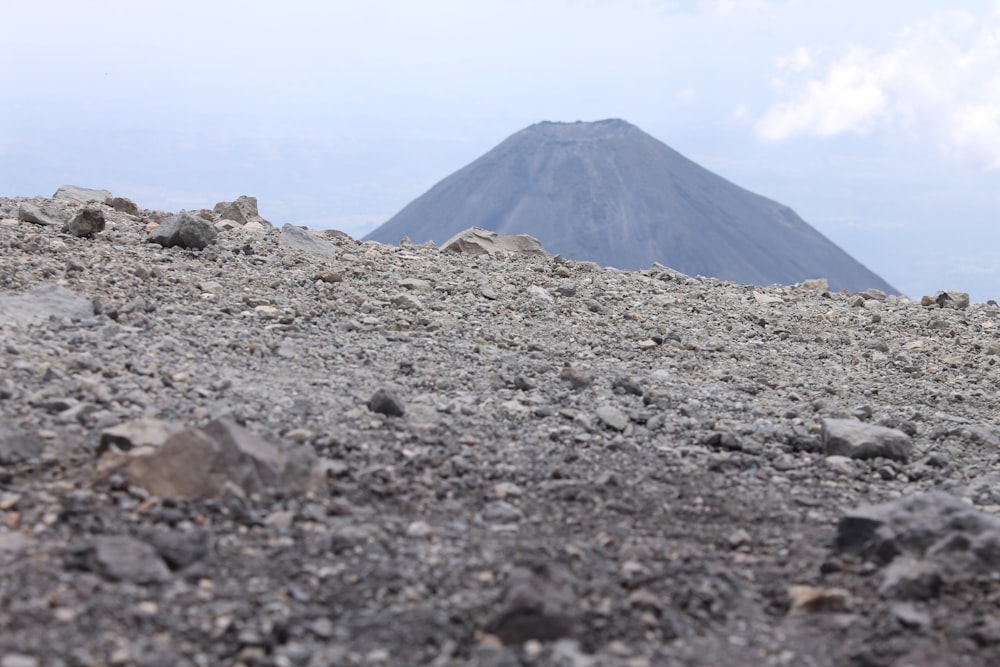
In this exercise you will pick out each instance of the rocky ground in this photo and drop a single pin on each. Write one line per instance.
(291, 448)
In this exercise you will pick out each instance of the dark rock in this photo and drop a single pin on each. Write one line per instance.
(479, 241)
(538, 603)
(84, 195)
(17, 446)
(41, 303)
(179, 548)
(385, 402)
(952, 299)
(298, 238)
(627, 385)
(88, 221)
(120, 558)
(184, 230)
(124, 205)
(858, 440)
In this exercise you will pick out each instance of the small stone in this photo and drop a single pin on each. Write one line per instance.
(907, 578)
(538, 603)
(818, 284)
(612, 417)
(121, 558)
(18, 660)
(329, 277)
(500, 511)
(419, 530)
(818, 599)
(88, 221)
(385, 402)
(124, 205)
(408, 302)
(299, 238)
(17, 446)
(578, 377)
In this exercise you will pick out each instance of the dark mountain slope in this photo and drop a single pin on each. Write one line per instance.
(608, 192)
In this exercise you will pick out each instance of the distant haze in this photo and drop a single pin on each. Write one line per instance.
(608, 192)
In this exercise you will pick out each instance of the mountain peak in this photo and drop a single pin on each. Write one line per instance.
(608, 192)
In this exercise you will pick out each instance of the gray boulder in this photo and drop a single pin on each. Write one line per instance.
(298, 238)
(479, 241)
(41, 303)
(28, 212)
(184, 230)
(243, 210)
(88, 221)
(952, 299)
(121, 558)
(203, 462)
(847, 437)
(83, 195)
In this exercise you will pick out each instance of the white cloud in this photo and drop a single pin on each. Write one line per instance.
(938, 82)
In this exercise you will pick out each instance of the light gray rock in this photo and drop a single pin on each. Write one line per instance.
(41, 303)
(122, 558)
(184, 230)
(242, 210)
(88, 221)
(16, 446)
(298, 238)
(479, 241)
(84, 195)
(202, 462)
(612, 417)
(952, 299)
(858, 440)
(28, 212)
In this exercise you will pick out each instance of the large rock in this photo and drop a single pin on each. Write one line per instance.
(202, 462)
(243, 210)
(28, 212)
(928, 538)
(142, 432)
(88, 221)
(121, 558)
(184, 230)
(858, 440)
(41, 303)
(479, 241)
(83, 195)
(298, 238)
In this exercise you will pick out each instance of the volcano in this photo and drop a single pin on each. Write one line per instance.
(610, 193)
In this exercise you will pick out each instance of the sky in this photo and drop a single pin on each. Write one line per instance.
(877, 122)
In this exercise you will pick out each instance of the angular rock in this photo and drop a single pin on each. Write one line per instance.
(28, 212)
(479, 241)
(243, 210)
(203, 462)
(908, 578)
(612, 417)
(124, 205)
(184, 230)
(120, 558)
(952, 299)
(179, 548)
(298, 238)
(16, 446)
(385, 402)
(142, 432)
(41, 303)
(88, 221)
(538, 603)
(858, 440)
(76, 193)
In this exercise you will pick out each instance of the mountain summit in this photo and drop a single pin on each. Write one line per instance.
(608, 192)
